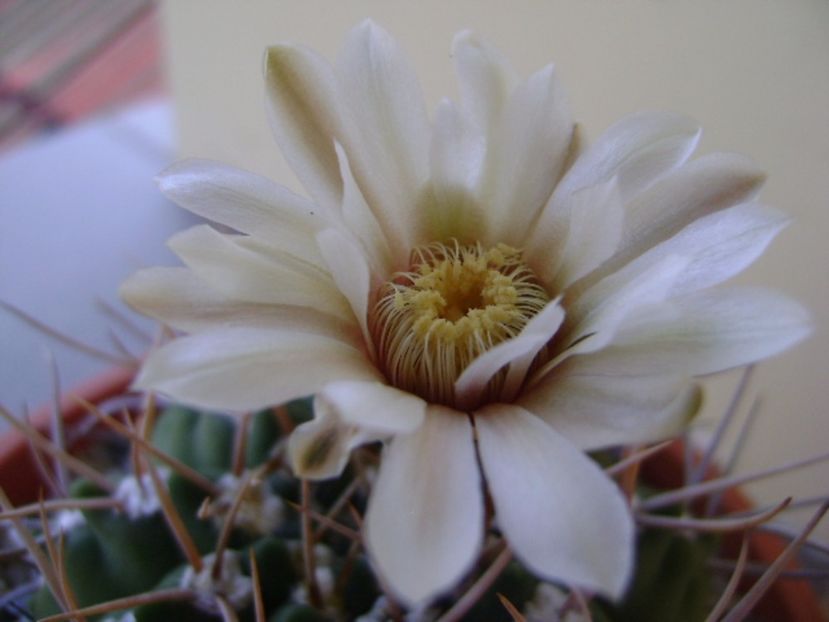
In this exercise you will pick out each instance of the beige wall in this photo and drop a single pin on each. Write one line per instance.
(754, 73)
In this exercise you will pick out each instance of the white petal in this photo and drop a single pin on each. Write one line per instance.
(593, 233)
(456, 157)
(518, 353)
(239, 270)
(303, 106)
(348, 414)
(532, 138)
(390, 156)
(710, 331)
(362, 223)
(636, 150)
(375, 406)
(424, 524)
(486, 79)
(701, 187)
(245, 202)
(181, 300)
(597, 404)
(559, 512)
(238, 368)
(350, 270)
(721, 244)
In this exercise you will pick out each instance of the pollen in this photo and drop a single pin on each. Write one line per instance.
(453, 304)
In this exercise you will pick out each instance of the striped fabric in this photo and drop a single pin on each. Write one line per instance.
(62, 60)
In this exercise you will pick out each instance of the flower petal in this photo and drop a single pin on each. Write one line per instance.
(533, 138)
(559, 512)
(597, 406)
(303, 106)
(348, 414)
(178, 298)
(239, 270)
(389, 156)
(518, 353)
(247, 203)
(350, 271)
(424, 524)
(240, 368)
(709, 331)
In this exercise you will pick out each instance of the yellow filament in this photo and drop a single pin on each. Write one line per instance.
(455, 303)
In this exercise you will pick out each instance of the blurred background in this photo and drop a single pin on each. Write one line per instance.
(97, 96)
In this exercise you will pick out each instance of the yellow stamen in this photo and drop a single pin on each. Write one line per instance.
(455, 303)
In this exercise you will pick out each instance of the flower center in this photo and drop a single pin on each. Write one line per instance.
(453, 304)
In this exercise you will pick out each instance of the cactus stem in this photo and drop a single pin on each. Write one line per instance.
(258, 601)
(338, 505)
(228, 615)
(54, 505)
(311, 586)
(120, 604)
(511, 609)
(327, 523)
(56, 561)
(230, 520)
(240, 444)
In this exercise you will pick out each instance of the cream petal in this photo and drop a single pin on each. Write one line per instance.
(176, 297)
(240, 368)
(348, 414)
(424, 524)
(375, 406)
(239, 270)
(560, 513)
(303, 107)
(486, 79)
(709, 331)
(701, 187)
(389, 155)
(247, 203)
(533, 137)
(593, 234)
(635, 151)
(720, 245)
(362, 223)
(350, 271)
(595, 407)
(456, 156)
(518, 353)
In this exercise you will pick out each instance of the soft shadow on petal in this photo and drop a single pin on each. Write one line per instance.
(239, 268)
(179, 299)
(559, 512)
(424, 524)
(247, 203)
(240, 368)
(709, 331)
(389, 154)
(596, 406)
(304, 112)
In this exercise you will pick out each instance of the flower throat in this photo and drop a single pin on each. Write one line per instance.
(453, 304)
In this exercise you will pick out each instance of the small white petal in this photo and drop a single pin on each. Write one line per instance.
(389, 156)
(424, 524)
(558, 510)
(236, 267)
(350, 271)
(247, 203)
(518, 353)
(720, 245)
(303, 107)
(348, 414)
(486, 79)
(710, 331)
(598, 403)
(242, 368)
(176, 297)
(636, 150)
(533, 138)
(701, 187)
(456, 156)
